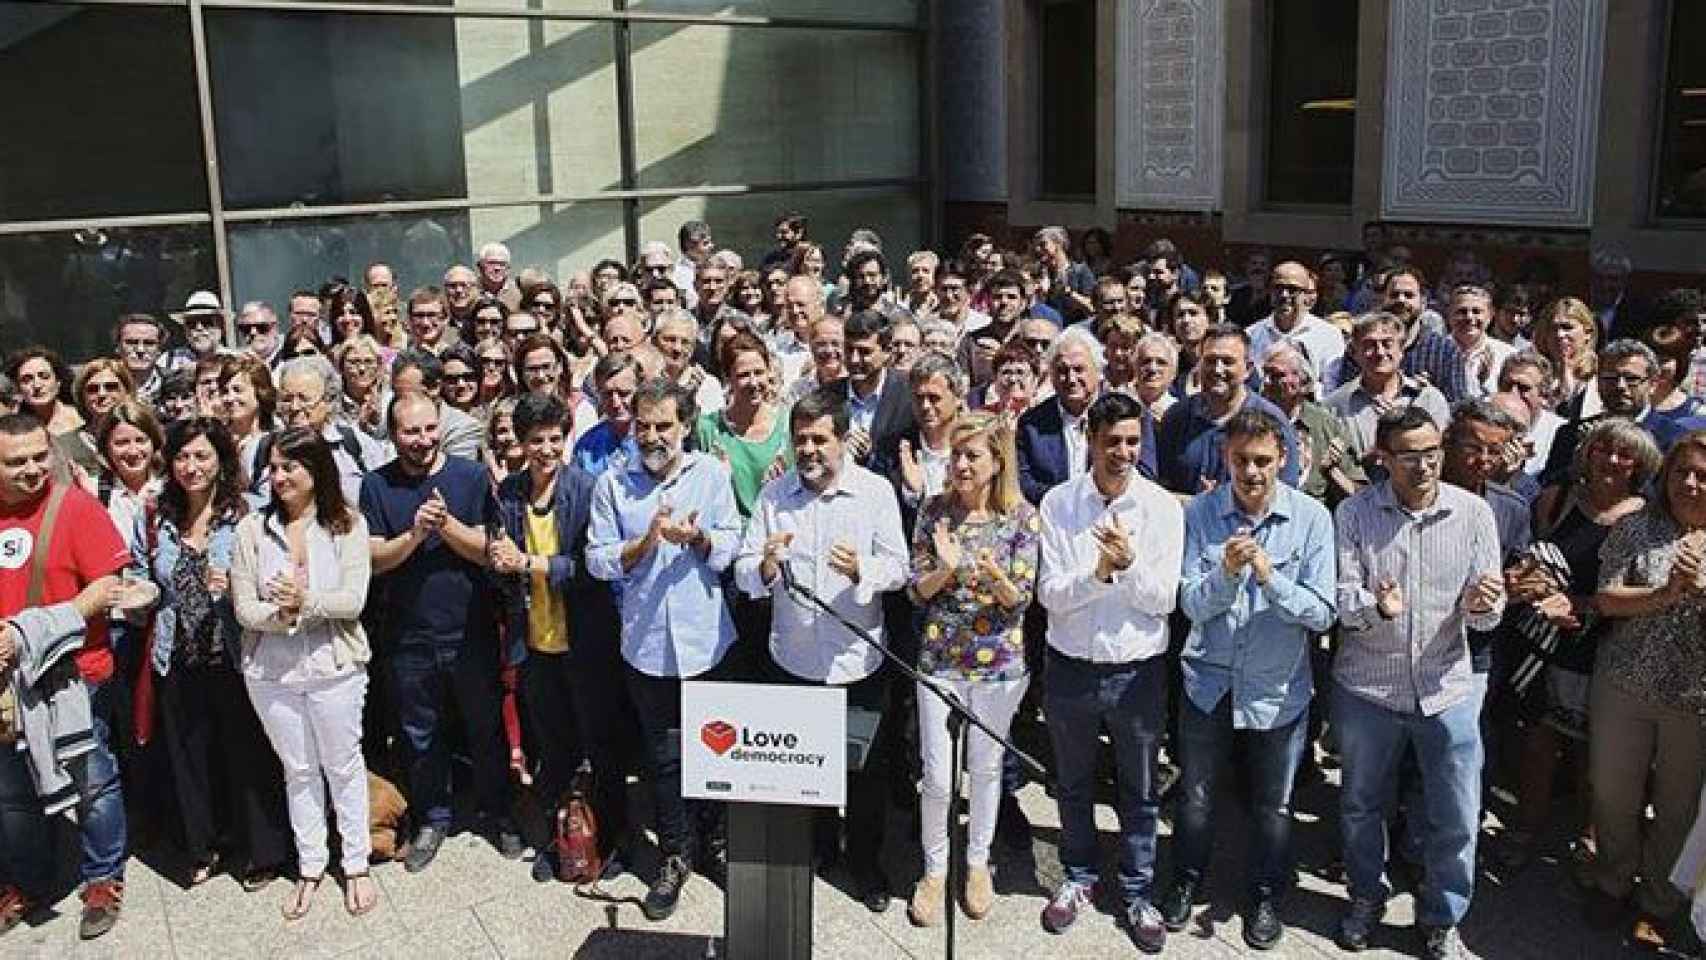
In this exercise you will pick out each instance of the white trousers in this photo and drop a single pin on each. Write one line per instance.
(994, 702)
(315, 729)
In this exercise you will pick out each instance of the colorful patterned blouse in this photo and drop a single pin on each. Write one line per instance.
(964, 633)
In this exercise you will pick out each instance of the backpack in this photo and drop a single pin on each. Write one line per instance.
(577, 834)
(347, 439)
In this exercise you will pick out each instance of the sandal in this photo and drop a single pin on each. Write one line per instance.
(301, 899)
(355, 885)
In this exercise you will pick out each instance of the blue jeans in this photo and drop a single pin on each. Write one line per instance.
(1271, 757)
(1372, 740)
(26, 834)
(425, 680)
(1130, 699)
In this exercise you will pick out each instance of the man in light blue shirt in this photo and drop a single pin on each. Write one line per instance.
(664, 529)
(1258, 578)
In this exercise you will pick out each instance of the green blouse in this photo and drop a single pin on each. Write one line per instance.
(747, 459)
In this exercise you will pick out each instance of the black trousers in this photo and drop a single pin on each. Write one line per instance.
(577, 709)
(227, 779)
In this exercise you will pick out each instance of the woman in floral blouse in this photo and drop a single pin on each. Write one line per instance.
(1649, 694)
(974, 552)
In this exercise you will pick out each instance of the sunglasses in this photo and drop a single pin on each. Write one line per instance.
(622, 302)
(254, 327)
(469, 377)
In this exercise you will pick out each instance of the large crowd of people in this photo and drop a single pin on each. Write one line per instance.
(1305, 514)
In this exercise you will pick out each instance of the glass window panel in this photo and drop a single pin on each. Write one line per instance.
(1682, 152)
(1312, 107)
(743, 224)
(329, 108)
(65, 290)
(565, 6)
(272, 258)
(865, 11)
(1068, 99)
(538, 107)
(101, 115)
(761, 105)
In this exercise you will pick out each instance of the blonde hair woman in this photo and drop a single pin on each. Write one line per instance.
(975, 551)
(1567, 334)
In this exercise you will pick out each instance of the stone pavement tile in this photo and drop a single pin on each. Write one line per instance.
(540, 919)
(466, 872)
(141, 928)
(455, 935)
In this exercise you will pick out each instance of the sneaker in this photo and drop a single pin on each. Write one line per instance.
(1176, 904)
(1012, 827)
(1063, 910)
(14, 907)
(544, 866)
(666, 889)
(1443, 943)
(423, 848)
(980, 892)
(102, 901)
(1262, 925)
(1358, 923)
(1148, 930)
(925, 910)
(508, 840)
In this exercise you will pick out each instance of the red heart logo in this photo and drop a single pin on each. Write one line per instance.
(719, 735)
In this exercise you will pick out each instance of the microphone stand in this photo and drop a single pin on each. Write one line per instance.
(959, 716)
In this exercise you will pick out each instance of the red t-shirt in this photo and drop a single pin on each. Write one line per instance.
(86, 547)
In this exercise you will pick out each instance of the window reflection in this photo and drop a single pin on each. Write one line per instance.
(1312, 101)
(1682, 170)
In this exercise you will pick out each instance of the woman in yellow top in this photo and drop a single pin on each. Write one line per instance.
(561, 622)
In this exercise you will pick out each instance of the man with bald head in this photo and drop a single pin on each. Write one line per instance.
(802, 308)
(426, 519)
(1291, 289)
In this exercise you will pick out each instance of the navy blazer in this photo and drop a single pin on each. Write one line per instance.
(893, 420)
(1041, 443)
(595, 626)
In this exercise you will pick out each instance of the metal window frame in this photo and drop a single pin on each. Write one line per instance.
(925, 182)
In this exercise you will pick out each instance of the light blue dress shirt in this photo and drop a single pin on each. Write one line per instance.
(600, 449)
(1251, 640)
(674, 620)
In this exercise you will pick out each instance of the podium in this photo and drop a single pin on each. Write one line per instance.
(775, 754)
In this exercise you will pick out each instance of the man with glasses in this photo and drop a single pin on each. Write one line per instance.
(1418, 568)
(495, 280)
(308, 392)
(694, 238)
(1380, 387)
(953, 301)
(1292, 322)
(429, 320)
(1625, 389)
(461, 292)
(518, 326)
(138, 338)
(257, 330)
(656, 263)
(203, 321)
(625, 298)
(711, 283)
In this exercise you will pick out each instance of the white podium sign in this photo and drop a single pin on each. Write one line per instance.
(764, 743)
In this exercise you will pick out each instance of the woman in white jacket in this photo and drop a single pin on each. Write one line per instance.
(299, 579)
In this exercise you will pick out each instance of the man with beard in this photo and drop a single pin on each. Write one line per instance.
(1107, 636)
(1257, 582)
(663, 531)
(879, 406)
(203, 320)
(867, 276)
(789, 231)
(257, 330)
(1426, 353)
(1403, 677)
(1007, 293)
(1191, 438)
(836, 529)
(427, 516)
(1293, 322)
(1328, 473)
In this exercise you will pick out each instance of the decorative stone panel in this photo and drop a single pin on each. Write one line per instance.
(1492, 110)
(1170, 85)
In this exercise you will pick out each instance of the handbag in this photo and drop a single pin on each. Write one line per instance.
(32, 598)
(577, 834)
(142, 694)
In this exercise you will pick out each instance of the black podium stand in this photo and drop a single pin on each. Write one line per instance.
(767, 908)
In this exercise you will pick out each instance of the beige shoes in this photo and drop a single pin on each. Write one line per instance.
(980, 892)
(925, 910)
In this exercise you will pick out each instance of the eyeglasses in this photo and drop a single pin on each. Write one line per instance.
(469, 377)
(1619, 379)
(543, 306)
(521, 331)
(425, 315)
(1039, 344)
(296, 401)
(254, 327)
(1417, 458)
(622, 302)
(361, 363)
(141, 344)
(103, 386)
(204, 321)
(493, 363)
(1290, 289)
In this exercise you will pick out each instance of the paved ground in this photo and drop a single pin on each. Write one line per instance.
(472, 903)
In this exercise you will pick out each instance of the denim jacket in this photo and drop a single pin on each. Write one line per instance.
(591, 608)
(168, 546)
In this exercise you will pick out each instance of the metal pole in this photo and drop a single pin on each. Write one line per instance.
(625, 136)
(210, 148)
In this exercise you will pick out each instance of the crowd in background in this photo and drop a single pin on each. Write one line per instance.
(444, 541)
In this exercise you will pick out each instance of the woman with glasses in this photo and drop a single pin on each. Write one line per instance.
(1646, 741)
(975, 551)
(1013, 389)
(487, 320)
(248, 404)
(493, 360)
(362, 367)
(99, 387)
(541, 365)
(229, 786)
(461, 378)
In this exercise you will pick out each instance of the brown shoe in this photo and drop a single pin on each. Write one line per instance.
(102, 902)
(925, 910)
(14, 907)
(980, 892)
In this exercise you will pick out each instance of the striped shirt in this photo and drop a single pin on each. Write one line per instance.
(1418, 661)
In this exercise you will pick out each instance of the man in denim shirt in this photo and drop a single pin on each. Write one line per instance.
(1257, 580)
